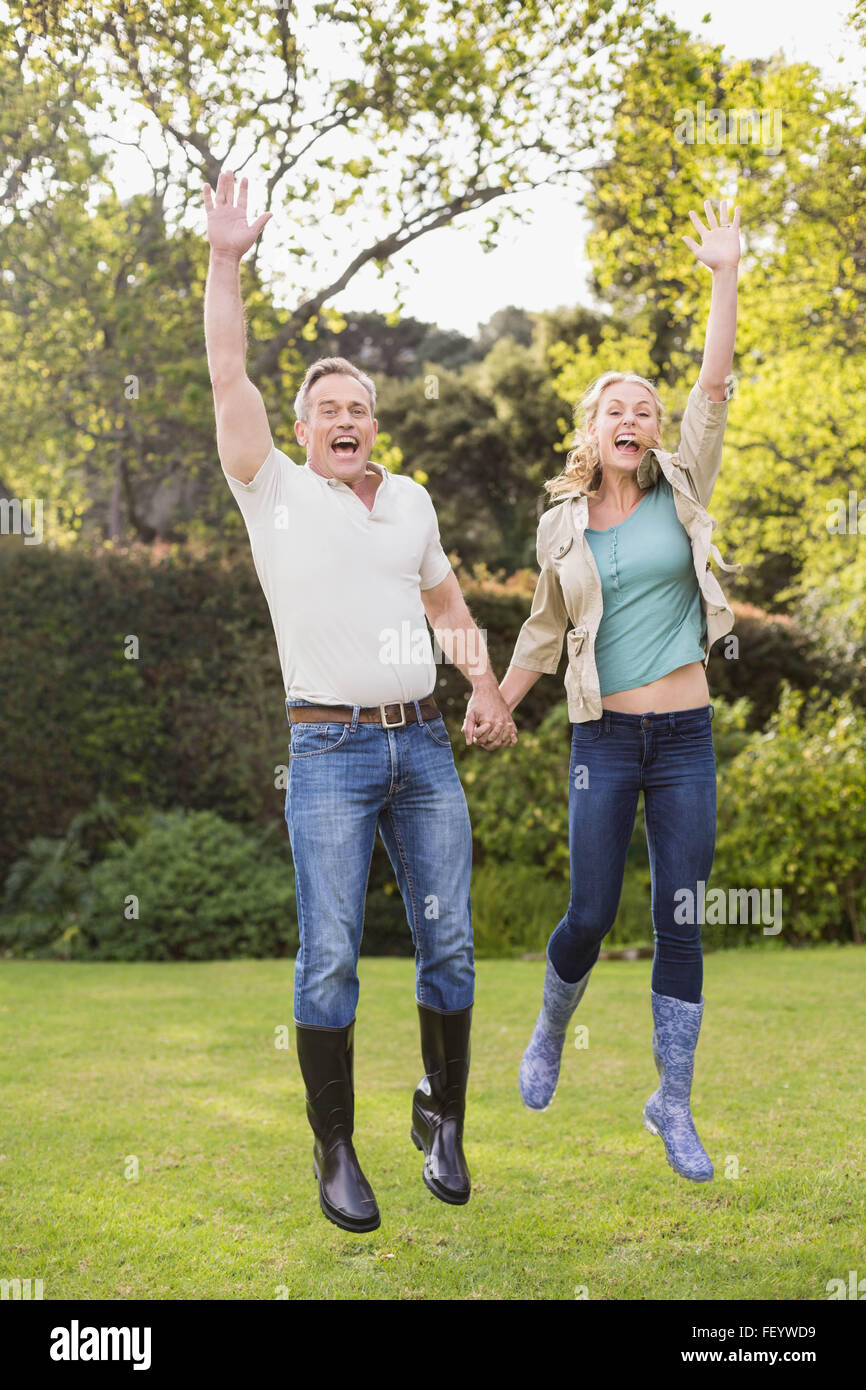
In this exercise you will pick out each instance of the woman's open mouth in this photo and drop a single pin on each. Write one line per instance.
(626, 444)
(345, 446)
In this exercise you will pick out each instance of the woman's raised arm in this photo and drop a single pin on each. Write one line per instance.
(719, 250)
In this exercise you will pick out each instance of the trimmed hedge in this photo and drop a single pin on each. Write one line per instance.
(792, 801)
(197, 718)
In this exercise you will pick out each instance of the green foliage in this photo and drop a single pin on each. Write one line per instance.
(515, 907)
(396, 351)
(40, 898)
(203, 892)
(790, 804)
(358, 158)
(834, 617)
(791, 815)
(43, 889)
(791, 801)
(798, 173)
(518, 797)
(196, 719)
(731, 728)
(485, 489)
(206, 890)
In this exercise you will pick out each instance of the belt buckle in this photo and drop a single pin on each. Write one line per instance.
(384, 717)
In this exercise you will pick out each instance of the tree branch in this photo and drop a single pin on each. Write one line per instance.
(387, 247)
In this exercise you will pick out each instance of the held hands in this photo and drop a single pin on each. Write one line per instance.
(228, 232)
(720, 241)
(488, 721)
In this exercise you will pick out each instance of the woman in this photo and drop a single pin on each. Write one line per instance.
(625, 569)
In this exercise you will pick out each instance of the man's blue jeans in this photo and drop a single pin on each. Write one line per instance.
(672, 759)
(345, 781)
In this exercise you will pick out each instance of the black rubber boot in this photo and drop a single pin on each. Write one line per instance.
(326, 1056)
(439, 1103)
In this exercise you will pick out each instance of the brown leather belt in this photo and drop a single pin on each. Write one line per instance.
(390, 716)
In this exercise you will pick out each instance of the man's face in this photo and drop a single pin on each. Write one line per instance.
(626, 425)
(339, 431)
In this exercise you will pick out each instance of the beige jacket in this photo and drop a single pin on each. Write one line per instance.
(568, 594)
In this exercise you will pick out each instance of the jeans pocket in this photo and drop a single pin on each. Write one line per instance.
(693, 724)
(436, 729)
(309, 740)
(586, 732)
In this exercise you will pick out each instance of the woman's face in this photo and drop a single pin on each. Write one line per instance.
(626, 425)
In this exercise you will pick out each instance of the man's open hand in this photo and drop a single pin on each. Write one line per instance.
(228, 231)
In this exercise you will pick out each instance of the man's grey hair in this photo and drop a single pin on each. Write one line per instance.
(331, 366)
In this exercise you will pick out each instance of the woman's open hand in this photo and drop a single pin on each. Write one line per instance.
(720, 241)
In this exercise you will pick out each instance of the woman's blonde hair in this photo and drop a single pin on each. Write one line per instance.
(583, 469)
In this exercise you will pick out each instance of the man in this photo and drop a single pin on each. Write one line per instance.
(350, 561)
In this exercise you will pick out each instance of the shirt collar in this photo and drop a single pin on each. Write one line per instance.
(648, 470)
(337, 482)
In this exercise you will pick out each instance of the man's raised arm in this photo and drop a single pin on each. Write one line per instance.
(243, 435)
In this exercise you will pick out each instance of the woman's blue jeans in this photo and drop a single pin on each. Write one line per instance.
(345, 782)
(670, 757)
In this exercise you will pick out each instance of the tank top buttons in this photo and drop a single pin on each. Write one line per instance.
(614, 573)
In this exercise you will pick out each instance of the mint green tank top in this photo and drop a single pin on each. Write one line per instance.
(653, 620)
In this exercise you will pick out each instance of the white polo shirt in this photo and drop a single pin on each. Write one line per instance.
(343, 583)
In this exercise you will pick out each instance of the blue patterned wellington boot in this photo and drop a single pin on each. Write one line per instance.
(539, 1070)
(666, 1113)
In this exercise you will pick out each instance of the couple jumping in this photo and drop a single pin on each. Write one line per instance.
(348, 555)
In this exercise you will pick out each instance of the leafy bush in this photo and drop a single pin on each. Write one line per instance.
(515, 907)
(191, 886)
(195, 718)
(791, 816)
(518, 796)
(41, 896)
(205, 889)
(43, 889)
(791, 804)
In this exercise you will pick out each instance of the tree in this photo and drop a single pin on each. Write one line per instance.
(795, 425)
(386, 120)
(486, 438)
(388, 345)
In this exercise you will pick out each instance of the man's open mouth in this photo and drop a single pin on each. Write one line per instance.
(345, 446)
(627, 444)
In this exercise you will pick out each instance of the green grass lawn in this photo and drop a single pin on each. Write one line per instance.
(176, 1066)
